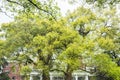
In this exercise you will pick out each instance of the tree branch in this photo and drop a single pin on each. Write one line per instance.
(35, 6)
(86, 70)
(41, 9)
(83, 32)
(14, 2)
(5, 13)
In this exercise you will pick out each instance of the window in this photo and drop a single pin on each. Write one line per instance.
(36, 77)
(81, 78)
(58, 78)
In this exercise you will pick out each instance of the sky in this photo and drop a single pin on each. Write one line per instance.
(63, 4)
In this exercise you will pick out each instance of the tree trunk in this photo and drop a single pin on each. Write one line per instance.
(68, 76)
(45, 75)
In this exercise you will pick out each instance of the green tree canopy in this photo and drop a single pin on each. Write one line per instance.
(41, 37)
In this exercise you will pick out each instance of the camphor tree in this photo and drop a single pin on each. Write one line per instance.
(109, 40)
(20, 37)
(41, 37)
(103, 27)
(80, 20)
(40, 42)
(44, 42)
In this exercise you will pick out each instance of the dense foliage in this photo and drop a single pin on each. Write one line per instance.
(40, 38)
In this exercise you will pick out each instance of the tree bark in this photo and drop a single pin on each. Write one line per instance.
(45, 75)
(68, 76)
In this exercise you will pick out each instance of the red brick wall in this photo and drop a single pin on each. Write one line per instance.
(13, 70)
